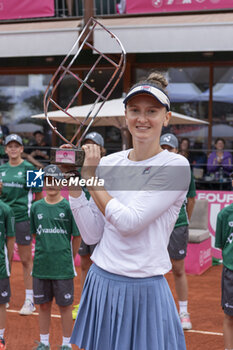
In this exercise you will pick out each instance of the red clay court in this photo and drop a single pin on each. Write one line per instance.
(204, 307)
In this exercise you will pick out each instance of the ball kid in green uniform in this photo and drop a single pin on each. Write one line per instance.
(53, 267)
(18, 196)
(7, 239)
(178, 243)
(224, 241)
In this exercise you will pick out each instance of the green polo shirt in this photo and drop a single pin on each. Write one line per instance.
(53, 225)
(224, 235)
(15, 193)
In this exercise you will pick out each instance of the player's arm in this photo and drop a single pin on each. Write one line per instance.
(76, 238)
(10, 229)
(190, 206)
(32, 222)
(10, 248)
(75, 245)
(92, 158)
(32, 160)
(219, 243)
(191, 197)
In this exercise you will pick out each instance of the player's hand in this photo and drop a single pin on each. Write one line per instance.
(91, 161)
(66, 145)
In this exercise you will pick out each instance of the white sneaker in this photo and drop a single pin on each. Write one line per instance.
(27, 308)
(7, 305)
(185, 321)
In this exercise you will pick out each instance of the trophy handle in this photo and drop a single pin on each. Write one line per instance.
(64, 69)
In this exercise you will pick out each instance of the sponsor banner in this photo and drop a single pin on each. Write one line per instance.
(152, 6)
(199, 257)
(16, 9)
(217, 201)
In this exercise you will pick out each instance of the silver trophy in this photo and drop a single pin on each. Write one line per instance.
(75, 155)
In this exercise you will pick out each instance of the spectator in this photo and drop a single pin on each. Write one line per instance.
(121, 6)
(68, 7)
(220, 159)
(184, 147)
(24, 155)
(69, 4)
(40, 150)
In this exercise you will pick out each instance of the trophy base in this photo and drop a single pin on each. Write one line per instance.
(73, 157)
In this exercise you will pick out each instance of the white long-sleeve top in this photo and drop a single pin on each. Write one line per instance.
(147, 196)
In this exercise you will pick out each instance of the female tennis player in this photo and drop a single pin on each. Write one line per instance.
(126, 302)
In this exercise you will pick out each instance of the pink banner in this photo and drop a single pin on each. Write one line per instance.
(217, 201)
(153, 6)
(199, 257)
(16, 9)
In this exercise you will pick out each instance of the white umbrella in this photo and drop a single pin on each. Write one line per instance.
(112, 113)
(218, 130)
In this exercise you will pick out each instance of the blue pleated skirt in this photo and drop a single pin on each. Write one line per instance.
(123, 313)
